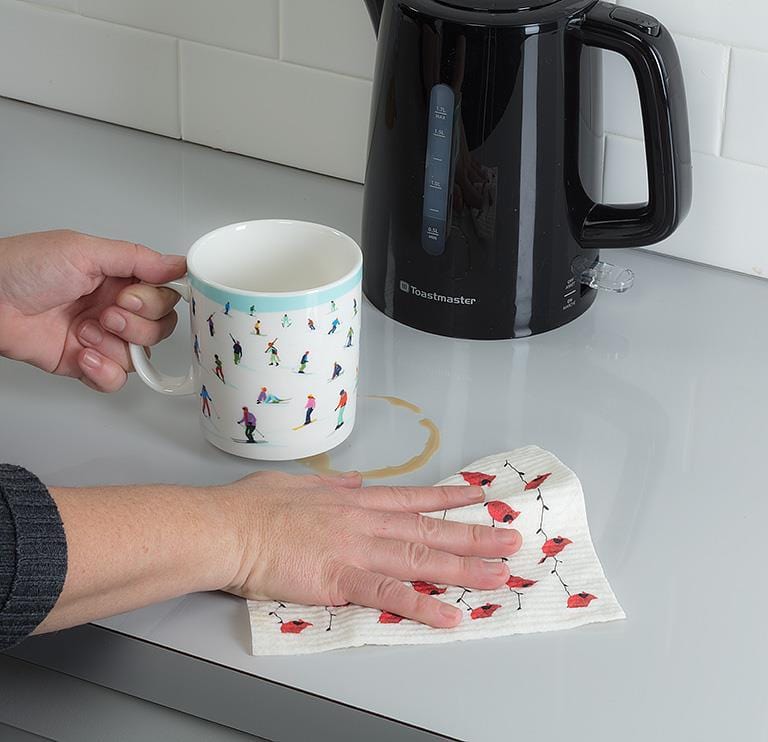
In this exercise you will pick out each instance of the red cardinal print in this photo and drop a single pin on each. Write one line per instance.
(484, 611)
(581, 600)
(553, 547)
(500, 512)
(290, 627)
(294, 627)
(514, 582)
(478, 478)
(387, 617)
(537, 482)
(427, 588)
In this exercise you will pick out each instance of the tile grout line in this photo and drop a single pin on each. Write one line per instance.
(727, 72)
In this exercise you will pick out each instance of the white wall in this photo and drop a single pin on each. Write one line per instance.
(249, 75)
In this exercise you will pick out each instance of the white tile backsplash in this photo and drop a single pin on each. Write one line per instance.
(102, 70)
(243, 75)
(259, 107)
(746, 130)
(244, 25)
(705, 67)
(334, 35)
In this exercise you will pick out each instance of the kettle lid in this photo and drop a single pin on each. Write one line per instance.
(497, 6)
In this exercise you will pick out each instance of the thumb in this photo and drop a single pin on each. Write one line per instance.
(120, 259)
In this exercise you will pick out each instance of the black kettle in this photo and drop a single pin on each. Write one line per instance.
(483, 213)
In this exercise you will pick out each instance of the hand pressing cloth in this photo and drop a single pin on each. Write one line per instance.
(557, 581)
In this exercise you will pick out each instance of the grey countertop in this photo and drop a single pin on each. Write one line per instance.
(656, 398)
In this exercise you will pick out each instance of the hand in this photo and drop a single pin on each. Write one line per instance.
(70, 303)
(327, 541)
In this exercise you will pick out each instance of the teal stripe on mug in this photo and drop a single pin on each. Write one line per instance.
(243, 302)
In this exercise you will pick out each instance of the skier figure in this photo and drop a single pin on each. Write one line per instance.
(336, 371)
(257, 327)
(311, 324)
(340, 407)
(333, 306)
(266, 397)
(194, 307)
(211, 327)
(227, 307)
(334, 326)
(274, 358)
(303, 362)
(286, 321)
(354, 307)
(349, 338)
(196, 348)
(219, 367)
(310, 408)
(249, 420)
(252, 309)
(237, 350)
(207, 399)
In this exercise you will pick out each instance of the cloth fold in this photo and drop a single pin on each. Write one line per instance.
(556, 580)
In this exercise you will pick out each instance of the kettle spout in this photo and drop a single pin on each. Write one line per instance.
(375, 8)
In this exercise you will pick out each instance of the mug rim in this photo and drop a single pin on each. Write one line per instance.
(348, 276)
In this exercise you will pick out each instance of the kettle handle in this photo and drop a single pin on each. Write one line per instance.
(652, 54)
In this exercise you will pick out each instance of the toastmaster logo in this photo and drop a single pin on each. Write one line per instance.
(434, 296)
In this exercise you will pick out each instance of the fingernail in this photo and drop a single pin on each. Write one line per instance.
(495, 568)
(114, 321)
(448, 611)
(475, 494)
(350, 474)
(507, 535)
(131, 302)
(90, 334)
(173, 259)
(91, 359)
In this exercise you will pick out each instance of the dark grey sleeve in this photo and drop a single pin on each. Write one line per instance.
(33, 554)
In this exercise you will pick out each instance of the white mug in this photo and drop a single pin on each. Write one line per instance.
(275, 312)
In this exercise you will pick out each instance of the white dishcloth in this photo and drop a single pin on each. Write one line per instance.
(570, 592)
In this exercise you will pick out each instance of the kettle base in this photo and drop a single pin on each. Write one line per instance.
(405, 309)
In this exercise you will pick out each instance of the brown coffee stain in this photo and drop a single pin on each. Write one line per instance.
(321, 464)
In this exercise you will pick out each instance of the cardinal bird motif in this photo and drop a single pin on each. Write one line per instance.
(514, 582)
(553, 547)
(427, 588)
(500, 512)
(294, 627)
(537, 482)
(477, 478)
(387, 617)
(581, 600)
(484, 611)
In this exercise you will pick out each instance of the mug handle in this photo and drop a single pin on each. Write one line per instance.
(172, 385)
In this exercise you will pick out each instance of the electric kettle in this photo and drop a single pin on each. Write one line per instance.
(483, 213)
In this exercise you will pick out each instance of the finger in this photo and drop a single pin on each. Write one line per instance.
(146, 301)
(134, 329)
(443, 535)
(352, 480)
(92, 335)
(419, 499)
(374, 590)
(99, 372)
(416, 561)
(127, 259)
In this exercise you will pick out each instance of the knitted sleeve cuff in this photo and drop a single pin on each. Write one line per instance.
(33, 554)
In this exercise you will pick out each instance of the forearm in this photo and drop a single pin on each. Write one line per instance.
(132, 546)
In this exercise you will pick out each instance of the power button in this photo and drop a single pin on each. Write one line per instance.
(641, 21)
